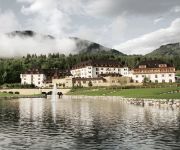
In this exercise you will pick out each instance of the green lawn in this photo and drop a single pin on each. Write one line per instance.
(5, 94)
(157, 93)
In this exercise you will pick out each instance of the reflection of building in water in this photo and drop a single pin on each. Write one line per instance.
(31, 109)
(74, 112)
(53, 110)
(85, 115)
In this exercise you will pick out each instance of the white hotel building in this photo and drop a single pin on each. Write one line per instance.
(154, 71)
(33, 76)
(96, 68)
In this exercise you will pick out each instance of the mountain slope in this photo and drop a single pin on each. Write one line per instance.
(166, 50)
(84, 46)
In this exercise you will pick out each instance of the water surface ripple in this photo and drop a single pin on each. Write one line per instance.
(86, 124)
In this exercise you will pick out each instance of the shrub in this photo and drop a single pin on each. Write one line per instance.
(17, 93)
(90, 84)
(43, 93)
(10, 92)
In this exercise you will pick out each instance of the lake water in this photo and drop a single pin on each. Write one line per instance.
(70, 123)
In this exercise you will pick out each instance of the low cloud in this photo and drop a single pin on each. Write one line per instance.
(8, 21)
(151, 41)
(21, 46)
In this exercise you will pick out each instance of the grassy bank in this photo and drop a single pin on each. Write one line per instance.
(12, 96)
(6, 95)
(156, 93)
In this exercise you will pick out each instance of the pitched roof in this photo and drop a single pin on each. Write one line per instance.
(98, 63)
(152, 64)
(88, 79)
(34, 71)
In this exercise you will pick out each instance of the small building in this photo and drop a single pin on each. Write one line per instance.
(63, 82)
(33, 76)
(153, 71)
(105, 81)
(95, 68)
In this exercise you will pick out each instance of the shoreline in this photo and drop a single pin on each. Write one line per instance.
(122, 97)
(21, 96)
(134, 101)
(25, 92)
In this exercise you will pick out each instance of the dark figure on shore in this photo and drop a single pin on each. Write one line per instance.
(60, 94)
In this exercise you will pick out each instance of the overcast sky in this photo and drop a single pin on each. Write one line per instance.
(131, 26)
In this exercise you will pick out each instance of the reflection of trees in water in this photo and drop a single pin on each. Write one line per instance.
(9, 111)
(101, 126)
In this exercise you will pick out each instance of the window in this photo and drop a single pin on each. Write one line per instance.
(142, 66)
(143, 76)
(23, 75)
(163, 81)
(170, 75)
(97, 69)
(136, 76)
(170, 81)
(38, 82)
(156, 76)
(162, 65)
(156, 81)
(162, 75)
(84, 82)
(108, 69)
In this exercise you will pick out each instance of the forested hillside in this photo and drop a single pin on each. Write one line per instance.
(11, 68)
(167, 50)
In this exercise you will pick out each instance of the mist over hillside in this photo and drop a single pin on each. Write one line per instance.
(21, 43)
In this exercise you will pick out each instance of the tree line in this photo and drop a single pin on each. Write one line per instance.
(11, 68)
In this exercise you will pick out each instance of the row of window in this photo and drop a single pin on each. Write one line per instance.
(32, 79)
(31, 82)
(156, 81)
(24, 75)
(154, 70)
(156, 76)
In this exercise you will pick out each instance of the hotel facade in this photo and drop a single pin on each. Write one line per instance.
(97, 68)
(101, 73)
(154, 71)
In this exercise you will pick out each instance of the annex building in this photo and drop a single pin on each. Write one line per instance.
(154, 71)
(33, 76)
